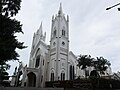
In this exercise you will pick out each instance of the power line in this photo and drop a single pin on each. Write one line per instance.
(113, 7)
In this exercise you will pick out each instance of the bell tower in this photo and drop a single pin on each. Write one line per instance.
(59, 47)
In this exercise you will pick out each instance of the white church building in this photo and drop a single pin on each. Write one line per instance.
(51, 62)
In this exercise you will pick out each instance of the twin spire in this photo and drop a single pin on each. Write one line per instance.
(40, 31)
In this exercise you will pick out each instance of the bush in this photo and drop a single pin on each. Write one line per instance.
(86, 83)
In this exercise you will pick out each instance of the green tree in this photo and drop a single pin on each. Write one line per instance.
(84, 61)
(101, 64)
(9, 26)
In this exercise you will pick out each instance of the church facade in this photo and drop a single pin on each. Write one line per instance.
(51, 62)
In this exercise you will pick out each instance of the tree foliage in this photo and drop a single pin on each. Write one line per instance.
(8, 28)
(84, 61)
(9, 7)
(100, 64)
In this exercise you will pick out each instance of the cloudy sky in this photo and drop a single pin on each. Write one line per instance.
(93, 30)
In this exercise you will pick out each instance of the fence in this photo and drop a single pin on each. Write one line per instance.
(28, 88)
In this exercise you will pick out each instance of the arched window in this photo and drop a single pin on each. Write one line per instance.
(73, 71)
(37, 58)
(37, 61)
(52, 76)
(54, 33)
(63, 32)
(62, 76)
(72, 74)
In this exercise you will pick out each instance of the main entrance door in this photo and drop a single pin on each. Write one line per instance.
(31, 79)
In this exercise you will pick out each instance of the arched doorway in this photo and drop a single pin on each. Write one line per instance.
(31, 79)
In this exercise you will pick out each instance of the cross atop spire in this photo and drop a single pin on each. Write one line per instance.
(60, 10)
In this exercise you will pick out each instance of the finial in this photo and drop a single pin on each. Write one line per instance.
(40, 25)
(60, 6)
(40, 32)
(67, 18)
(60, 9)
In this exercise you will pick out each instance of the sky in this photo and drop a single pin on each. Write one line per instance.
(92, 30)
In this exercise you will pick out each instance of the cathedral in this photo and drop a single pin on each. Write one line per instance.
(51, 62)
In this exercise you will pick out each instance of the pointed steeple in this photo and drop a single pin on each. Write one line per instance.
(40, 26)
(40, 30)
(60, 10)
